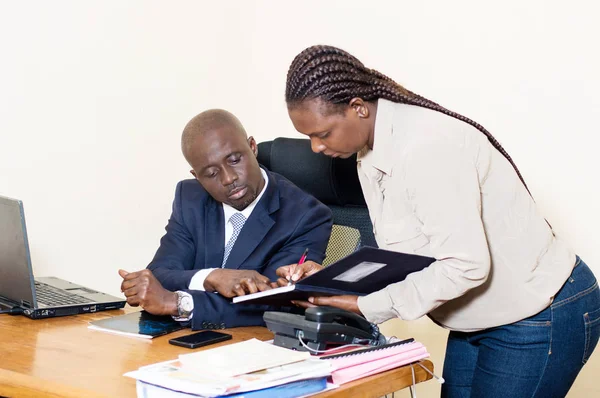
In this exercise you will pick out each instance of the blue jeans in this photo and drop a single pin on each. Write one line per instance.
(539, 356)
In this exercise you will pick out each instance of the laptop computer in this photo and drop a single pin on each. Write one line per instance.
(38, 297)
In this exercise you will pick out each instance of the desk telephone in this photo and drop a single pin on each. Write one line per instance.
(320, 327)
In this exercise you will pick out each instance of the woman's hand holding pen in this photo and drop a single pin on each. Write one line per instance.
(294, 272)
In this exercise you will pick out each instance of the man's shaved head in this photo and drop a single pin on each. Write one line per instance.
(210, 120)
(223, 158)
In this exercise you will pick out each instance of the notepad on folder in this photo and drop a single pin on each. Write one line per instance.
(359, 364)
(365, 271)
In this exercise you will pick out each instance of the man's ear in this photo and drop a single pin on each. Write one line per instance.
(192, 172)
(360, 107)
(253, 146)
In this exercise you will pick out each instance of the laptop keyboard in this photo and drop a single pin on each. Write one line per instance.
(52, 296)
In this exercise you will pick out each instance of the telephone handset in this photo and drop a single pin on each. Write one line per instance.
(331, 314)
(321, 327)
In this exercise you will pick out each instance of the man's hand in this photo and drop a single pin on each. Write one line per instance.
(143, 289)
(234, 282)
(346, 302)
(294, 272)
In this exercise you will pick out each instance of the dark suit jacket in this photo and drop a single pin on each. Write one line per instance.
(283, 224)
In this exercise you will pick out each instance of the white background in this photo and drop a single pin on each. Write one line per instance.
(94, 95)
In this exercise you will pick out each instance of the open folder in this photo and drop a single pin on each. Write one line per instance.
(365, 271)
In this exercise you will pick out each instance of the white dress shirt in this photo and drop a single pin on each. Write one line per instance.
(436, 186)
(197, 281)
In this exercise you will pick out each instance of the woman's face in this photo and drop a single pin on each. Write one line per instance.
(336, 134)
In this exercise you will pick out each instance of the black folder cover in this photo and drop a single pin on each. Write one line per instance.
(365, 271)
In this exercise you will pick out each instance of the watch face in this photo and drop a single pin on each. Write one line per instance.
(187, 303)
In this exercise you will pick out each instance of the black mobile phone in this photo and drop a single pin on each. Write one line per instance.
(200, 339)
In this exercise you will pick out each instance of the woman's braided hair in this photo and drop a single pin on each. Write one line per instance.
(335, 76)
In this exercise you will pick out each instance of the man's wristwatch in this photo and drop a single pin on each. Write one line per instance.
(185, 304)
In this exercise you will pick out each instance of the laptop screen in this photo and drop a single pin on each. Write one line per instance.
(16, 276)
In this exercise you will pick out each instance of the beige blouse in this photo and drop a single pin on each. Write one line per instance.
(435, 186)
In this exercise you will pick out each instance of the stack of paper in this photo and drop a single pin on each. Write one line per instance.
(247, 366)
(241, 358)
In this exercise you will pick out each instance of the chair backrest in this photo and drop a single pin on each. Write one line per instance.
(332, 181)
(344, 240)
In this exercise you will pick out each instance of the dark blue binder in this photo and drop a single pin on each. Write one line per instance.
(289, 390)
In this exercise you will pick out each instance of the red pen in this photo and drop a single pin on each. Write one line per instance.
(301, 261)
(303, 257)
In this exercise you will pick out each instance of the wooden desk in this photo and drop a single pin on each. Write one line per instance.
(61, 357)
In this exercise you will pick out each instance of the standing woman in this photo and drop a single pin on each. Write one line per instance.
(523, 310)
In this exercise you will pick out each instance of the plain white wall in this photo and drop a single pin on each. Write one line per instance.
(94, 95)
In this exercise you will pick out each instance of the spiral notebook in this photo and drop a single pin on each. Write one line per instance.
(358, 364)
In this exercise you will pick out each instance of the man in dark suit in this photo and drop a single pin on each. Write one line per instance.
(230, 229)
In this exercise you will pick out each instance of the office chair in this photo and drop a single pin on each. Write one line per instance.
(332, 181)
